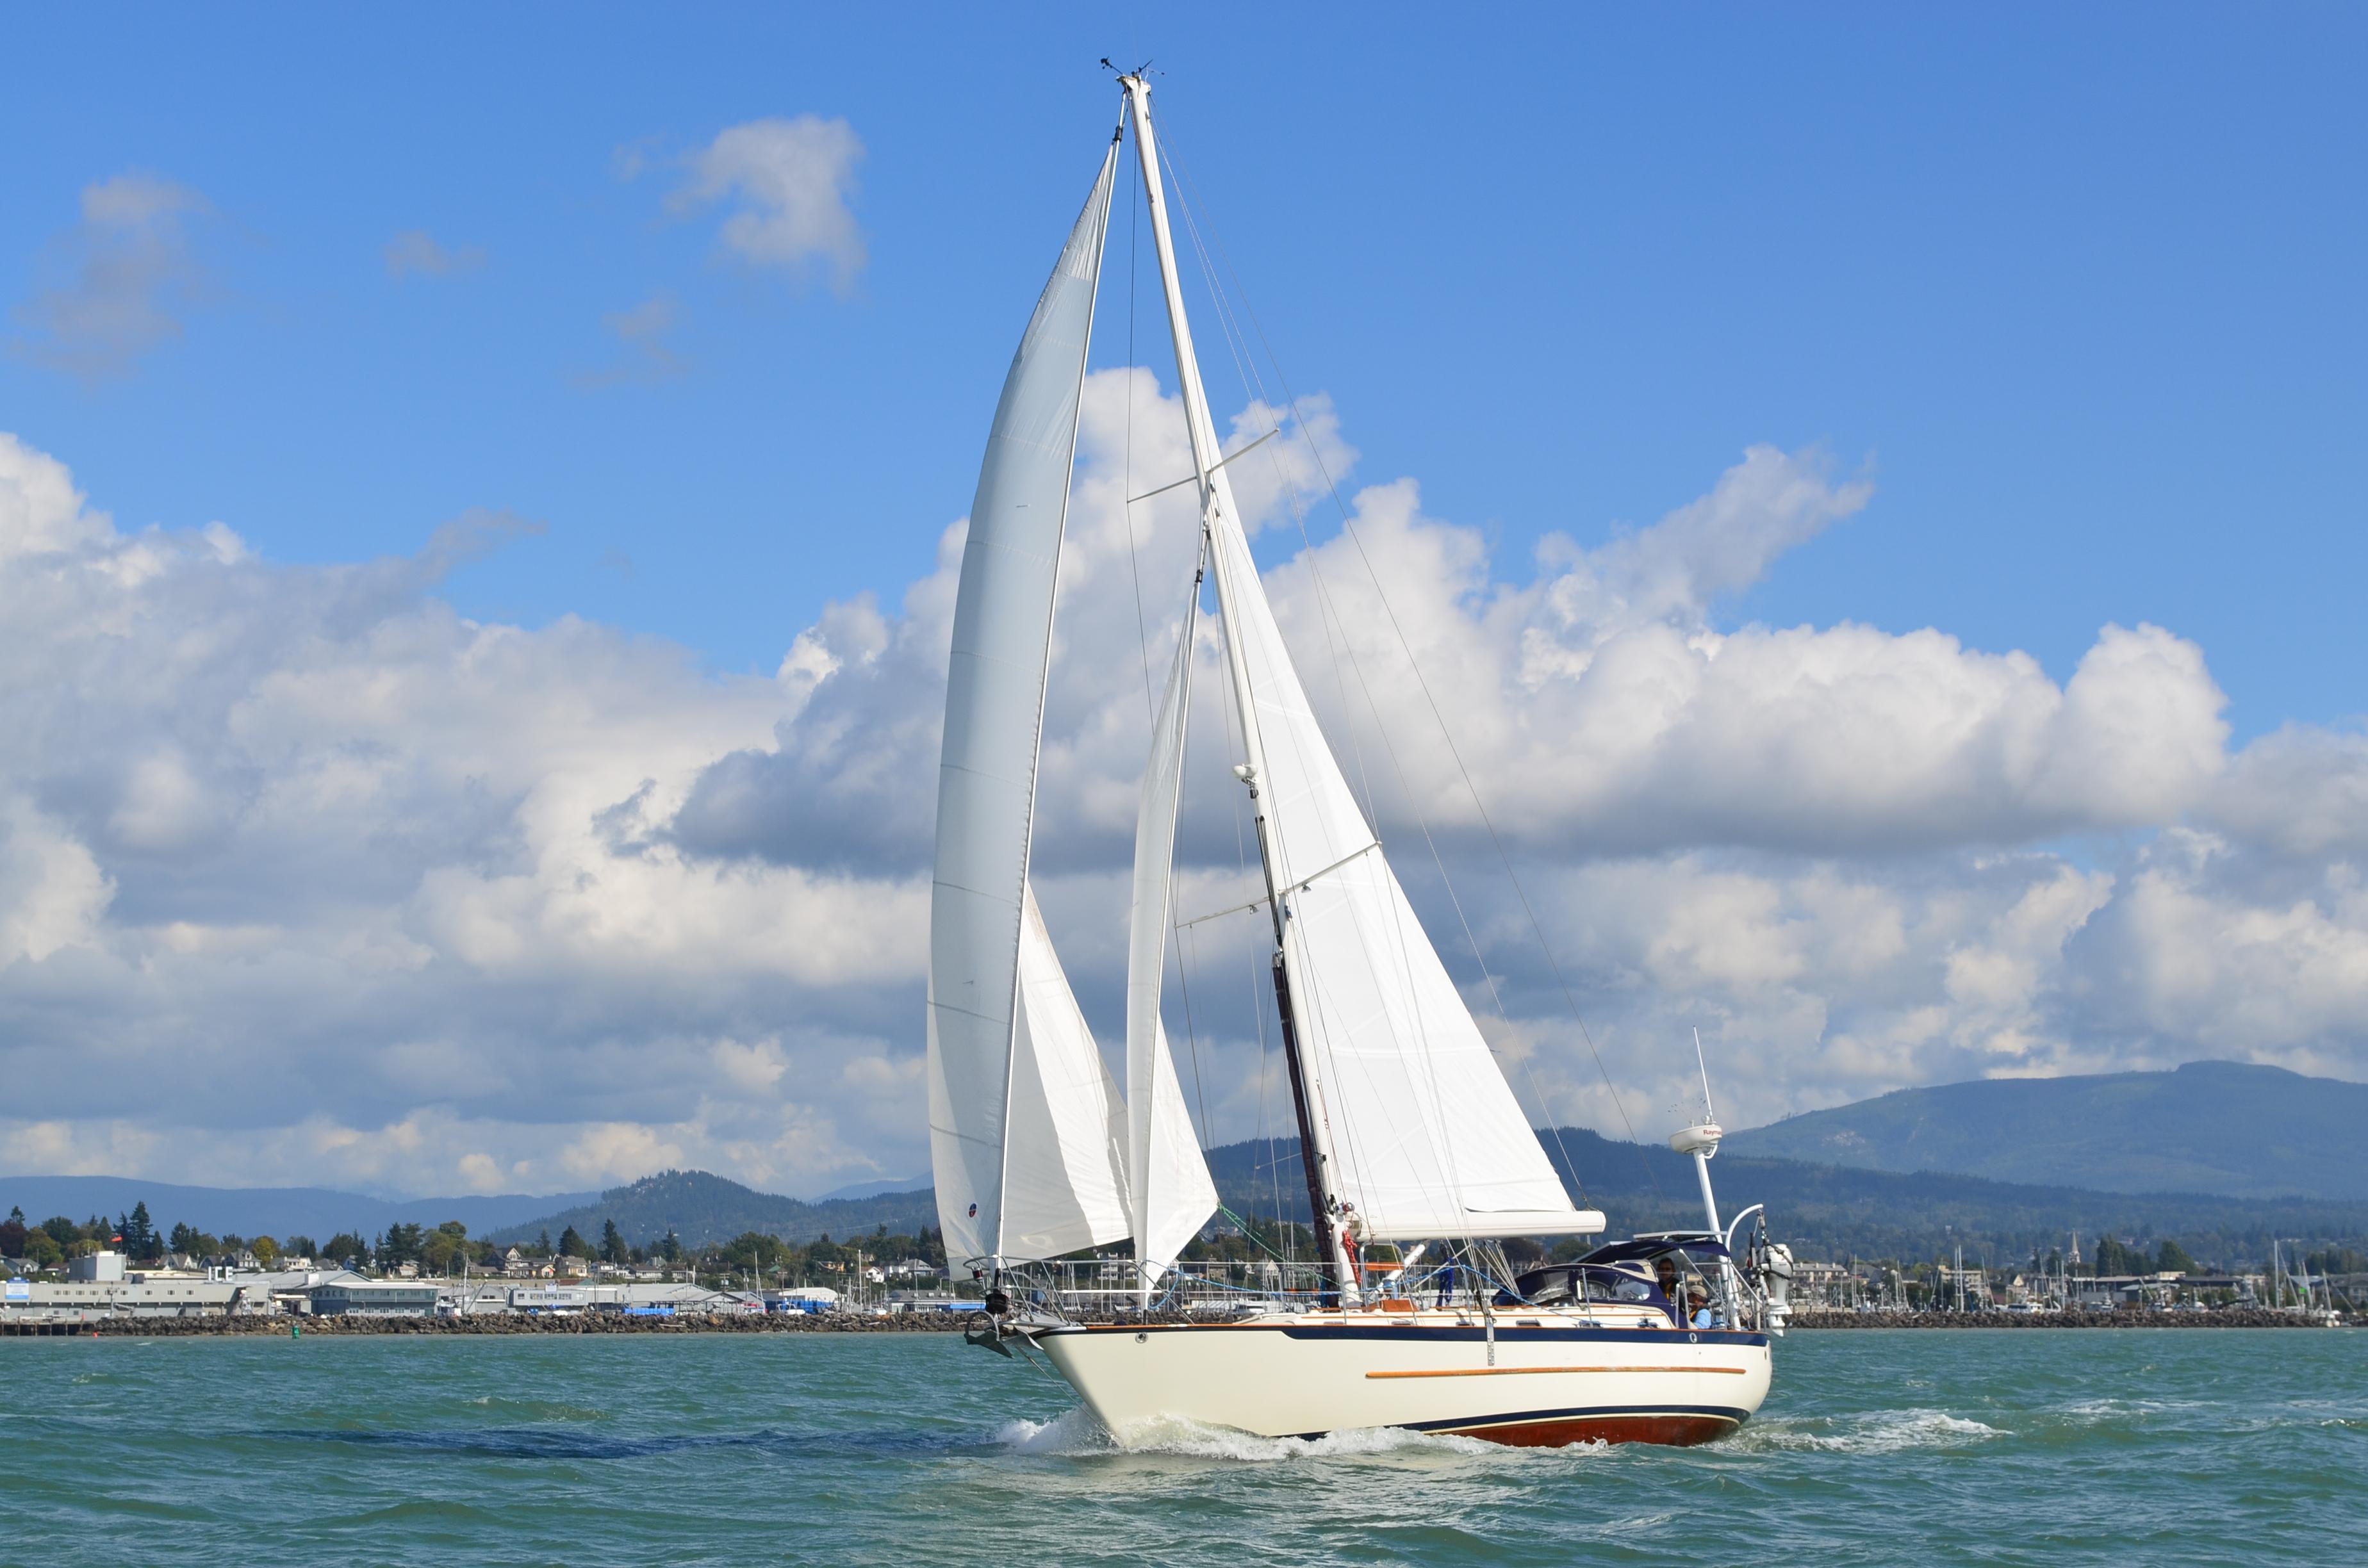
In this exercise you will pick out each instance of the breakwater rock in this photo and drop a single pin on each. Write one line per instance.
(2221, 1317)
(522, 1323)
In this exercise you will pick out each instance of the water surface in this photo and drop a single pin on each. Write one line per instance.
(1998, 1447)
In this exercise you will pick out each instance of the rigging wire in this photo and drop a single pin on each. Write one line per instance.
(1135, 574)
(1258, 1003)
(1135, 570)
(1348, 526)
(1335, 638)
(1318, 1061)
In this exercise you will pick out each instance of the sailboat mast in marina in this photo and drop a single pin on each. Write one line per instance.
(1410, 1138)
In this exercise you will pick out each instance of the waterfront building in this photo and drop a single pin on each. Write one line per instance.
(353, 1294)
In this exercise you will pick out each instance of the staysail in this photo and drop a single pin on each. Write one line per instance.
(1167, 1179)
(987, 776)
(1063, 1171)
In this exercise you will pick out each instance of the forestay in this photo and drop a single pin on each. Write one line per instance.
(987, 778)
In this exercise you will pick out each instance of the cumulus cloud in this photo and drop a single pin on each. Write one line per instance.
(789, 183)
(126, 273)
(300, 858)
(417, 253)
(305, 876)
(1841, 851)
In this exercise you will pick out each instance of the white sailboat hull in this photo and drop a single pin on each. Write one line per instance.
(1548, 1380)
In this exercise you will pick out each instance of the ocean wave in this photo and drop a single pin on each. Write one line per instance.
(1875, 1432)
(538, 1409)
(1076, 1433)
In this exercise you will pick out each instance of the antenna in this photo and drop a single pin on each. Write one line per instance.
(1708, 1114)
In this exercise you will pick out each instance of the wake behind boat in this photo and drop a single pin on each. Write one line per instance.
(1411, 1142)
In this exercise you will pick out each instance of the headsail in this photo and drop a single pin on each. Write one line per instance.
(1167, 1179)
(987, 777)
(1063, 1171)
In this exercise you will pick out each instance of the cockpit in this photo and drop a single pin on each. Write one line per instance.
(1684, 1276)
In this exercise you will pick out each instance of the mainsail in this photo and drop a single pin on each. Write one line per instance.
(1423, 1134)
(1409, 1121)
(987, 785)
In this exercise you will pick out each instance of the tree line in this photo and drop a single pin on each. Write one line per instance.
(449, 1248)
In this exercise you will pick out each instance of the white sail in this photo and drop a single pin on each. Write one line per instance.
(1423, 1134)
(1063, 1175)
(1167, 1179)
(987, 778)
(1413, 1121)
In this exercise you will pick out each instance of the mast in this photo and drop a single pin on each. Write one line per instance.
(1215, 498)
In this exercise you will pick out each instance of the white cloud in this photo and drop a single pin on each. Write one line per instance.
(618, 1150)
(41, 511)
(789, 182)
(53, 893)
(418, 252)
(303, 876)
(128, 272)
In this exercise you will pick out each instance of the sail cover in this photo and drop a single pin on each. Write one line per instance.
(1167, 1179)
(1423, 1134)
(986, 774)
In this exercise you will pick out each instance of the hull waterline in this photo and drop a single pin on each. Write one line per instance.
(1545, 1382)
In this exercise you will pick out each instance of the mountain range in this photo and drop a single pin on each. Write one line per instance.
(2220, 1155)
(699, 1208)
(2227, 1128)
(316, 1211)
(1834, 1211)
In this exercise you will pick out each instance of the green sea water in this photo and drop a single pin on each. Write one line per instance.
(1875, 1447)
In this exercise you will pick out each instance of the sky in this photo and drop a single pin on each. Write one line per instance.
(1873, 497)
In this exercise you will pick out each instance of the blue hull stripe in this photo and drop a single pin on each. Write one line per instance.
(1478, 1334)
(1441, 1336)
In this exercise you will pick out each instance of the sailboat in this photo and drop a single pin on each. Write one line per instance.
(1410, 1138)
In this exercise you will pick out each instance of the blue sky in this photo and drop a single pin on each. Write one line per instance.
(1942, 659)
(2081, 291)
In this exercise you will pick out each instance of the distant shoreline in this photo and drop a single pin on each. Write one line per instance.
(351, 1327)
(828, 1323)
(2224, 1317)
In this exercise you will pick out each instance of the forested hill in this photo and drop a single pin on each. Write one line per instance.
(699, 1208)
(1827, 1211)
(2215, 1127)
